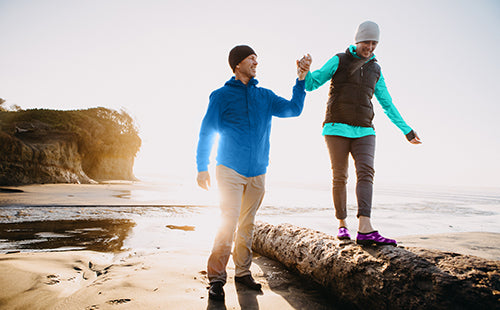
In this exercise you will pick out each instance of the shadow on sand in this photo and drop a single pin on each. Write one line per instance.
(300, 293)
(247, 298)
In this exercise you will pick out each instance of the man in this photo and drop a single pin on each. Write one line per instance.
(240, 113)
(355, 77)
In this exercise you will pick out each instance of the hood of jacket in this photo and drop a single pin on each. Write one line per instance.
(237, 83)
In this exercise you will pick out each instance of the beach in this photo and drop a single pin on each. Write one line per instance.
(130, 245)
(134, 280)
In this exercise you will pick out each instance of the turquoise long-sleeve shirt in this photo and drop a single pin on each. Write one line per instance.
(319, 77)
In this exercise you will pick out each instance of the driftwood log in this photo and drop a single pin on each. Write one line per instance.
(383, 277)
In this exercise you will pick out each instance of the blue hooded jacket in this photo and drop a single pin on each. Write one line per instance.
(241, 115)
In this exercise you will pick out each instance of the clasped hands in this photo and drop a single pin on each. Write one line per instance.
(303, 66)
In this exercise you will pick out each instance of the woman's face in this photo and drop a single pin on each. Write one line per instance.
(365, 49)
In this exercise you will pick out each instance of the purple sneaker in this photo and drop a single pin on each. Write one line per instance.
(373, 238)
(343, 234)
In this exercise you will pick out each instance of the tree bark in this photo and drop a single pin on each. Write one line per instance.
(383, 277)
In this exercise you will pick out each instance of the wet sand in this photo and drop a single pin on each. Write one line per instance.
(142, 261)
(127, 264)
(481, 244)
(161, 280)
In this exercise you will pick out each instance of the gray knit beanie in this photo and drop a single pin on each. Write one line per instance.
(367, 31)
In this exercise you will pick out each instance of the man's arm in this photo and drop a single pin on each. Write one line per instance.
(208, 132)
(289, 108)
(293, 107)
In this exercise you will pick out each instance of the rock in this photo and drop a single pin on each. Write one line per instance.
(384, 277)
(41, 161)
(50, 146)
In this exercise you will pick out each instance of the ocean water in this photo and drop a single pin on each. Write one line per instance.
(161, 214)
(397, 210)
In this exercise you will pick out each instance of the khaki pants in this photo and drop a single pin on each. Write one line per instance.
(240, 198)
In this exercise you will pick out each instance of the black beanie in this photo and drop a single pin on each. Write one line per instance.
(238, 53)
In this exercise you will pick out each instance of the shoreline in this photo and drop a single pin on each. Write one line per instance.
(153, 206)
(146, 227)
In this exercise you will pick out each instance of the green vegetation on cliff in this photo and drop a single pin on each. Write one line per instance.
(100, 142)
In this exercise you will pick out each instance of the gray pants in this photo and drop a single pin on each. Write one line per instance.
(240, 198)
(363, 153)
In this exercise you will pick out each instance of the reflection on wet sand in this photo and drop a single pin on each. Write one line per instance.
(102, 235)
(183, 227)
(124, 194)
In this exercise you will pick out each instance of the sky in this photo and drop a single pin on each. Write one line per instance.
(160, 60)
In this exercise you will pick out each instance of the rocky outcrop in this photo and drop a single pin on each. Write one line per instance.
(110, 167)
(47, 146)
(40, 161)
(382, 277)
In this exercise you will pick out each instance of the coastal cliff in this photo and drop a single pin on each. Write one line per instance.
(383, 277)
(79, 146)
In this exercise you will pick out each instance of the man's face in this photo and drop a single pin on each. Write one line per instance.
(365, 49)
(248, 66)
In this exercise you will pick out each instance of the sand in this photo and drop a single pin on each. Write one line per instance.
(162, 280)
(170, 275)
(166, 273)
(481, 244)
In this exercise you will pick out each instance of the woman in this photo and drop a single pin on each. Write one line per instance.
(348, 129)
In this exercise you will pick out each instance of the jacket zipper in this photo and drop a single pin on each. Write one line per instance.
(250, 129)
